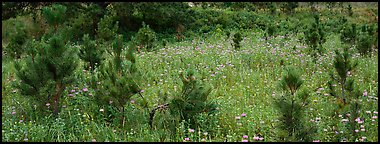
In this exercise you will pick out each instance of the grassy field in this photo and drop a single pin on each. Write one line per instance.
(244, 85)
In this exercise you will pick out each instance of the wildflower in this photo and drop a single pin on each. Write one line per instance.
(244, 140)
(26, 139)
(261, 138)
(142, 91)
(256, 138)
(48, 104)
(205, 133)
(238, 118)
(316, 141)
(348, 114)
(114, 131)
(365, 93)
(71, 95)
(363, 130)
(72, 91)
(13, 113)
(85, 90)
(132, 101)
(245, 136)
(336, 132)
(340, 116)
(361, 126)
(317, 119)
(102, 110)
(90, 94)
(187, 139)
(344, 120)
(243, 114)
(356, 130)
(325, 130)
(191, 130)
(110, 101)
(364, 138)
(368, 112)
(93, 140)
(374, 117)
(375, 112)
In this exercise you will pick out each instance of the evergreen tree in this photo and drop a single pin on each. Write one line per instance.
(119, 77)
(46, 71)
(292, 106)
(190, 102)
(17, 40)
(145, 38)
(91, 53)
(344, 66)
(55, 15)
(237, 39)
(348, 33)
(315, 37)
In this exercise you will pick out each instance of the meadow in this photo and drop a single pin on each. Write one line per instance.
(244, 82)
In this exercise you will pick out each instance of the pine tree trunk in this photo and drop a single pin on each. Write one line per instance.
(58, 90)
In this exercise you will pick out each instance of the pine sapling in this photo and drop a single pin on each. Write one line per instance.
(292, 105)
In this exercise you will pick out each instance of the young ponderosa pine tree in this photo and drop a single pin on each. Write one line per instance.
(119, 77)
(315, 37)
(190, 102)
(145, 38)
(349, 95)
(343, 65)
(237, 39)
(54, 15)
(292, 106)
(17, 39)
(348, 33)
(46, 71)
(91, 53)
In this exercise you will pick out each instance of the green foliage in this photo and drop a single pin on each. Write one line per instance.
(146, 38)
(119, 77)
(192, 100)
(107, 27)
(315, 37)
(343, 65)
(44, 75)
(91, 53)
(55, 14)
(349, 33)
(292, 106)
(349, 10)
(365, 43)
(289, 7)
(237, 39)
(17, 39)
